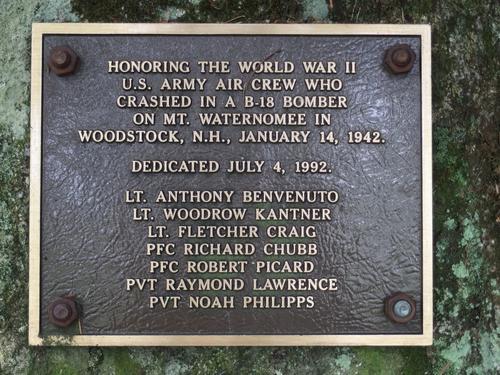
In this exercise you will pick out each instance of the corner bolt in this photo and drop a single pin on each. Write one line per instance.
(63, 61)
(399, 59)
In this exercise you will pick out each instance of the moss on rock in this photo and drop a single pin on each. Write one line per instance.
(391, 361)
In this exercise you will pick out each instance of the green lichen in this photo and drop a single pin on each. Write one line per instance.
(460, 270)
(390, 361)
(315, 9)
(151, 361)
(344, 362)
(458, 351)
(466, 178)
(119, 11)
(120, 362)
(64, 361)
(464, 84)
(189, 11)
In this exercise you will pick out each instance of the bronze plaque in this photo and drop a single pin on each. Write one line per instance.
(230, 185)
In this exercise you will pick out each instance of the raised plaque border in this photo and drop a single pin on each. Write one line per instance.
(41, 29)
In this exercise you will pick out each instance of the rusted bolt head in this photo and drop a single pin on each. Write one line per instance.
(63, 312)
(400, 307)
(400, 58)
(63, 60)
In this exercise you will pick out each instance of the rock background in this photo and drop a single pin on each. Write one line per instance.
(466, 115)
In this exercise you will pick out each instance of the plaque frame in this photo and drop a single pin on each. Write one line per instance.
(41, 29)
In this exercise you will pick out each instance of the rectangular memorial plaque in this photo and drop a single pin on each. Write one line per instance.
(230, 185)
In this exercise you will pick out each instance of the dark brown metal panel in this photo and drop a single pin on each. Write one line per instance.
(90, 245)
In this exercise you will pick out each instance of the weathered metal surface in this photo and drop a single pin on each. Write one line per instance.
(89, 244)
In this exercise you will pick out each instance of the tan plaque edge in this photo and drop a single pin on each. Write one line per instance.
(39, 29)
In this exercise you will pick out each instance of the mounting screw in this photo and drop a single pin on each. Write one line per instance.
(400, 307)
(63, 60)
(399, 58)
(63, 312)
